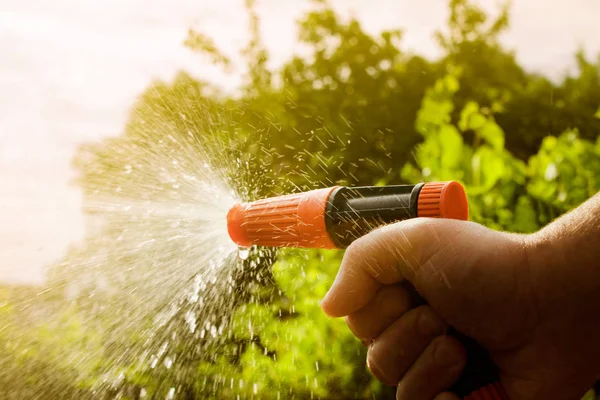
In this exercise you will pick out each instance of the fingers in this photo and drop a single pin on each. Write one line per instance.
(398, 347)
(435, 370)
(390, 254)
(387, 306)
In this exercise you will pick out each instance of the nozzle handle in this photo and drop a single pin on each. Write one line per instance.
(481, 378)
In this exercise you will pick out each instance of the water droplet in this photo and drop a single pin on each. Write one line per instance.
(171, 394)
(551, 172)
(243, 253)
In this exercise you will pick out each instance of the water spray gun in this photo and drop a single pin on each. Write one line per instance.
(332, 218)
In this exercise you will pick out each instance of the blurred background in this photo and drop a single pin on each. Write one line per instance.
(504, 97)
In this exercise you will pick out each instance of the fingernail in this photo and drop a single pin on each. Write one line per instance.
(445, 355)
(429, 325)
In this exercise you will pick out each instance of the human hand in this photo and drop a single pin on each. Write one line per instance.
(516, 295)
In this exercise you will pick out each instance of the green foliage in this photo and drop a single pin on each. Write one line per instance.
(300, 351)
(37, 343)
(566, 171)
(504, 192)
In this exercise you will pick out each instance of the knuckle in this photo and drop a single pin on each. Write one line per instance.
(427, 322)
(354, 250)
(447, 353)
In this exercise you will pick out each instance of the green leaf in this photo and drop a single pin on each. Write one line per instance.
(452, 143)
(477, 121)
(492, 134)
(452, 84)
(471, 118)
(525, 220)
(491, 166)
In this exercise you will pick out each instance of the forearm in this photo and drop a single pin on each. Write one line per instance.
(573, 238)
(564, 268)
(564, 262)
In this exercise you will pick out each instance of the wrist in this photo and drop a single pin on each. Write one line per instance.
(564, 277)
(565, 281)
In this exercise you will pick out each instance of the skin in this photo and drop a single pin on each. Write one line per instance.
(532, 301)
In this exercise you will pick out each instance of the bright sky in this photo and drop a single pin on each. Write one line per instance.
(70, 70)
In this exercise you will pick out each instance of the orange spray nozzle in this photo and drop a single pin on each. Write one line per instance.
(334, 217)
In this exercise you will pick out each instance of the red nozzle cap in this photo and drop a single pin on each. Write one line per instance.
(443, 200)
(235, 221)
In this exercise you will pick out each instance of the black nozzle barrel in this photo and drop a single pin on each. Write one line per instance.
(352, 212)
